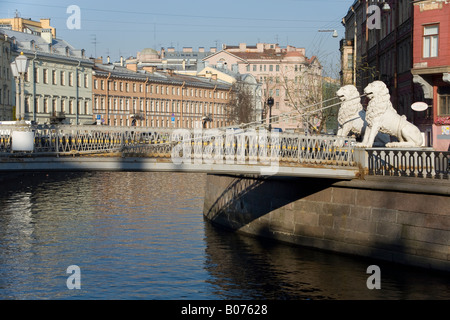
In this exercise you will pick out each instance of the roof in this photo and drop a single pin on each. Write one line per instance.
(162, 77)
(35, 43)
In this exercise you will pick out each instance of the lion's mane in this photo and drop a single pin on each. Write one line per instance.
(379, 104)
(350, 106)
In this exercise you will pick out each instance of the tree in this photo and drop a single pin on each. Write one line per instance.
(241, 106)
(311, 95)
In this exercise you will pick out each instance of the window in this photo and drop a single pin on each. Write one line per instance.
(54, 77)
(444, 101)
(45, 105)
(62, 78)
(86, 80)
(36, 75)
(45, 76)
(350, 61)
(430, 41)
(71, 79)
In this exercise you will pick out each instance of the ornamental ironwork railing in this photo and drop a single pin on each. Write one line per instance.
(419, 163)
(226, 144)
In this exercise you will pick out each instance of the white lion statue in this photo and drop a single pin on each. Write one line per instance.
(352, 117)
(382, 117)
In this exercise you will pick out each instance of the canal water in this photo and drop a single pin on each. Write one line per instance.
(137, 235)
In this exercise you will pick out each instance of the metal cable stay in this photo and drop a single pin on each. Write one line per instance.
(220, 132)
(288, 115)
(188, 136)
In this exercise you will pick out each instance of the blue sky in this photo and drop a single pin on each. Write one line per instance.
(121, 28)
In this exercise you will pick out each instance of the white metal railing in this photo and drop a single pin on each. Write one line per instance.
(230, 144)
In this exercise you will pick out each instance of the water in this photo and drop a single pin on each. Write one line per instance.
(138, 235)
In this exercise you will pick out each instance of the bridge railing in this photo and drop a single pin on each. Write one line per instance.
(231, 145)
(257, 146)
(418, 163)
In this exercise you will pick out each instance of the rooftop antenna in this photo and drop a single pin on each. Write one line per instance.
(94, 42)
(17, 14)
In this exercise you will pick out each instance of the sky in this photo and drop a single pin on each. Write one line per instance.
(122, 28)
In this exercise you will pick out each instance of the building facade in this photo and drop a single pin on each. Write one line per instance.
(431, 65)
(239, 82)
(285, 74)
(6, 80)
(58, 83)
(27, 25)
(405, 44)
(186, 60)
(124, 97)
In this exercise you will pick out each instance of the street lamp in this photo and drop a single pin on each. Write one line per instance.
(386, 7)
(270, 103)
(19, 67)
(335, 33)
(16, 77)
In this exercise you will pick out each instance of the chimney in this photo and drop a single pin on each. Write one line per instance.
(45, 24)
(213, 49)
(121, 61)
(46, 34)
(132, 67)
(201, 49)
(150, 69)
(214, 76)
(260, 47)
(108, 60)
(242, 46)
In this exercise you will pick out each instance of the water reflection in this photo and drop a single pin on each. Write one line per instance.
(142, 236)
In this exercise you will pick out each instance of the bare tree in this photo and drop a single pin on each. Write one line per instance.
(240, 108)
(309, 93)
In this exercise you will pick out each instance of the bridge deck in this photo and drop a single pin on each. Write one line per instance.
(104, 163)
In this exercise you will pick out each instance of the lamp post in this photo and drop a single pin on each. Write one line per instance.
(19, 67)
(335, 33)
(270, 103)
(16, 77)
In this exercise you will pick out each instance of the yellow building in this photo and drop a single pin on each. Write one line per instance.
(27, 25)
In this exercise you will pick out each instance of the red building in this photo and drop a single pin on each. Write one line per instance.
(431, 64)
(410, 52)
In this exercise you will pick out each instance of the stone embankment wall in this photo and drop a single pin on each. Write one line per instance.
(403, 220)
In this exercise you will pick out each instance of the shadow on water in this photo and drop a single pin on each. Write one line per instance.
(141, 235)
(245, 267)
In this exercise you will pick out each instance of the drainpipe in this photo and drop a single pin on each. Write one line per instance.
(34, 88)
(76, 93)
(107, 98)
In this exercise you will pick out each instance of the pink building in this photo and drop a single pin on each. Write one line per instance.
(286, 74)
(431, 64)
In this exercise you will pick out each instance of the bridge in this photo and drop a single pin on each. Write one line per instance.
(383, 203)
(250, 151)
